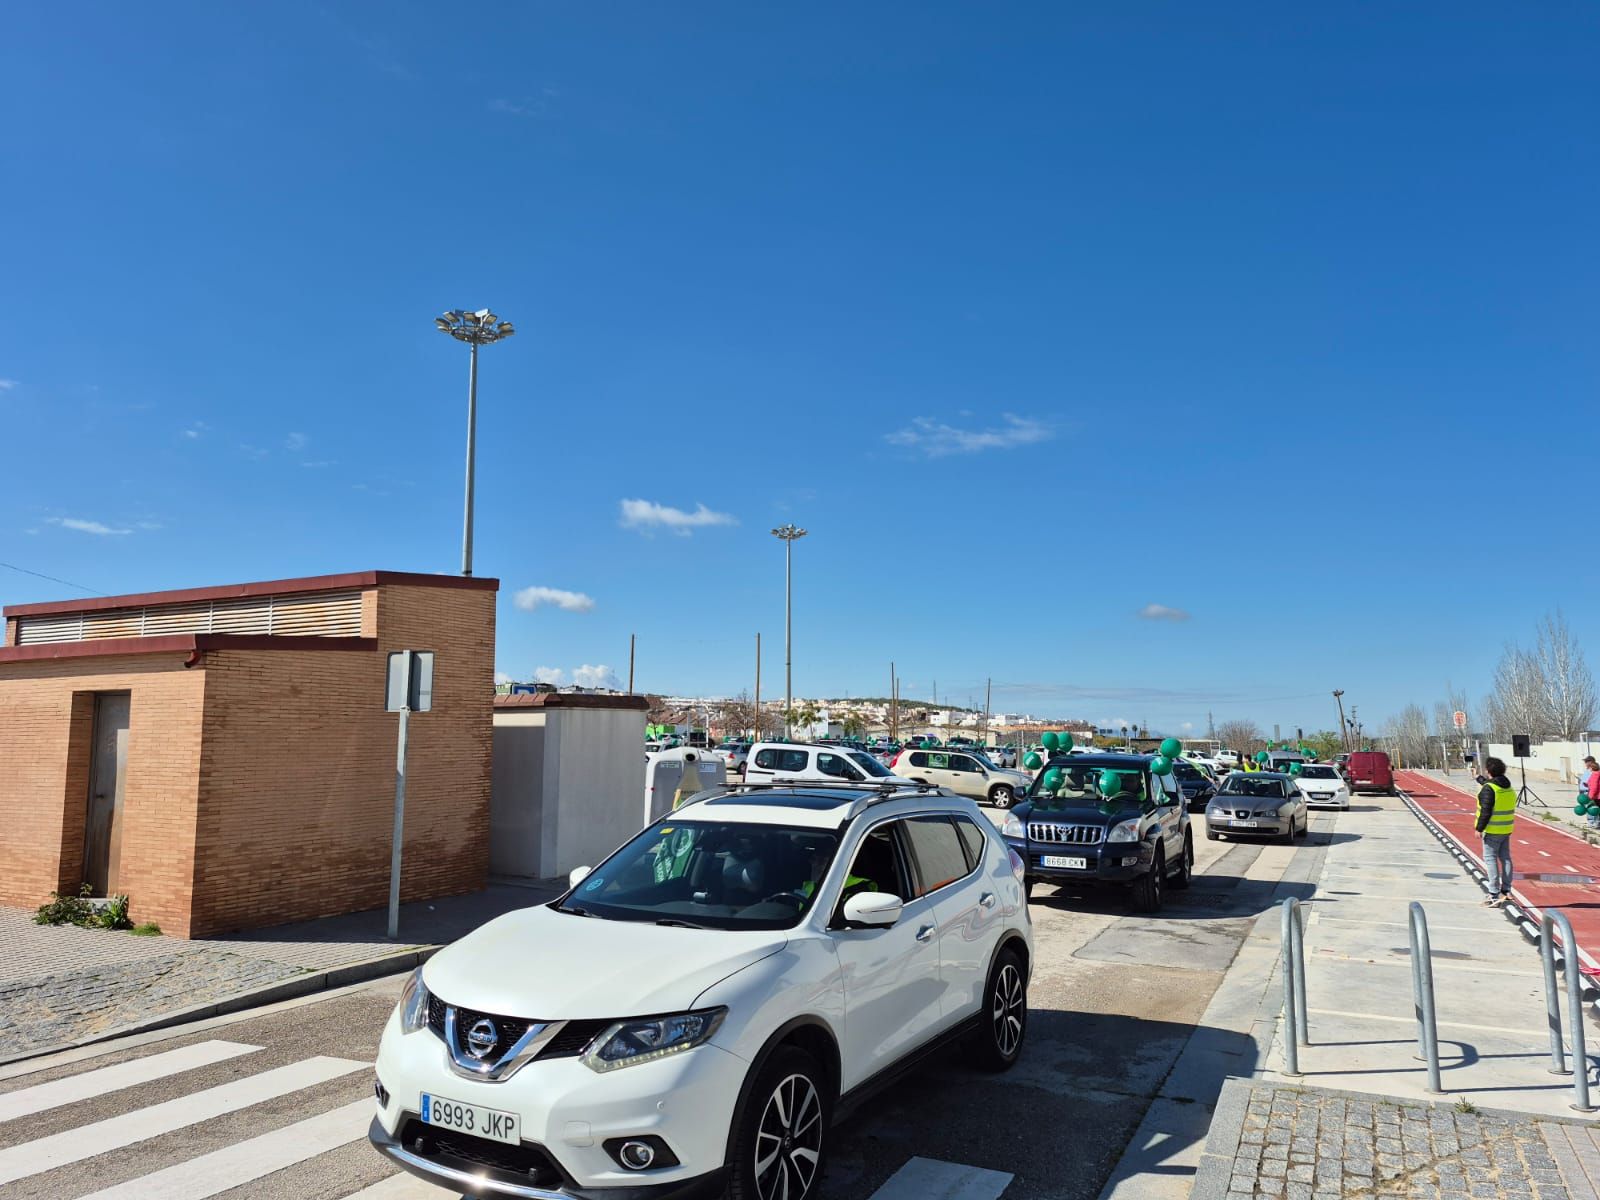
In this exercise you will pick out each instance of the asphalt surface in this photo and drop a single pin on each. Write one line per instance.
(1114, 997)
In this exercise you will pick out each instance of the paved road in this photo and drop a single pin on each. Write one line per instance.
(275, 1104)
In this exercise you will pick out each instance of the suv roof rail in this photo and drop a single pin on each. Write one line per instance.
(869, 793)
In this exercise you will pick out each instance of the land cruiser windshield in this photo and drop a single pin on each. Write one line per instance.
(1080, 786)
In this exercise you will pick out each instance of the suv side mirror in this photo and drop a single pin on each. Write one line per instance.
(872, 910)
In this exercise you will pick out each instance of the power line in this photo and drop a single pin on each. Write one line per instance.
(51, 578)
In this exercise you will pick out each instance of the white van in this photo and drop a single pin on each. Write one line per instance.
(788, 762)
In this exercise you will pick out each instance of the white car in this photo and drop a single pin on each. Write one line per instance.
(798, 762)
(735, 754)
(1321, 783)
(964, 772)
(695, 1010)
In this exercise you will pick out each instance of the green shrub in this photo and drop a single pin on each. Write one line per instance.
(80, 910)
(146, 929)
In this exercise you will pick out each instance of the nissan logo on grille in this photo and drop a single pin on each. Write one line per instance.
(481, 1039)
(1066, 835)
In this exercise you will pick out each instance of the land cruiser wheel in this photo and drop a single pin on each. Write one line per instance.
(781, 1131)
(1000, 797)
(1003, 1024)
(1184, 875)
(1150, 890)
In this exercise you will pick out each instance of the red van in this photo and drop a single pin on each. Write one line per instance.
(1369, 771)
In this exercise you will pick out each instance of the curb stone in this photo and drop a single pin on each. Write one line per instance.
(272, 993)
(1222, 1141)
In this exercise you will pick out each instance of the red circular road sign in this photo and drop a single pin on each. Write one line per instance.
(1460, 719)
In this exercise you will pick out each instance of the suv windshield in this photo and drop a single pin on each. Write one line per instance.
(714, 874)
(1079, 785)
(1314, 772)
(1254, 786)
(870, 765)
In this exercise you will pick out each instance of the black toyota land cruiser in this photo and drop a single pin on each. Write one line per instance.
(1104, 819)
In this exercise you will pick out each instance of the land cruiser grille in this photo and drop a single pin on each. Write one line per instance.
(1066, 835)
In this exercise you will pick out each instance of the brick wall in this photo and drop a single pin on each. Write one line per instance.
(46, 710)
(298, 769)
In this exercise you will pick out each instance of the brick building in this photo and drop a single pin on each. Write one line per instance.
(222, 755)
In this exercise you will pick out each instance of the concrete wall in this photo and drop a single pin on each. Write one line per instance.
(1550, 761)
(568, 787)
(46, 712)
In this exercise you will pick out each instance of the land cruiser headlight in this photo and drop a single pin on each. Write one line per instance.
(630, 1042)
(1124, 831)
(1013, 827)
(414, 1003)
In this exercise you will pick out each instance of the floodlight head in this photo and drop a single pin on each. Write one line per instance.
(789, 533)
(480, 328)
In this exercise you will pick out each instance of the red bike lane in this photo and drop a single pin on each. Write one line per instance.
(1552, 868)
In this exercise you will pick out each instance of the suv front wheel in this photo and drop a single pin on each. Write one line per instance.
(781, 1132)
(1001, 795)
(1150, 889)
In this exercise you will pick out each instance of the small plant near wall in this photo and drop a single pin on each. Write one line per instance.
(81, 911)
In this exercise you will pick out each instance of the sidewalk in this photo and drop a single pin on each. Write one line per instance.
(1358, 1121)
(63, 986)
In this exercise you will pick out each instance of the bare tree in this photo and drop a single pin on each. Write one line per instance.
(1409, 731)
(1241, 736)
(1565, 683)
(1518, 702)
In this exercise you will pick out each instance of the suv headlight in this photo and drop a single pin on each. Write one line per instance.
(1124, 831)
(414, 999)
(630, 1042)
(1013, 827)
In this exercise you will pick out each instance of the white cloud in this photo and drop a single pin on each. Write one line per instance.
(1160, 612)
(530, 598)
(295, 441)
(1187, 727)
(96, 527)
(648, 516)
(255, 452)
(7, 384)
(551, 675)
(195, 431)
(600, 676)
(148, 524)
(934, 439)
(318, 463)
(1117, 723)
(501, 677)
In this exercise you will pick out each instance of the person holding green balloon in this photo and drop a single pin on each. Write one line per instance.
(1589, 793)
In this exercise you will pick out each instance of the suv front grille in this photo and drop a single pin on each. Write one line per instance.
(1066, 835)
(572, 1039)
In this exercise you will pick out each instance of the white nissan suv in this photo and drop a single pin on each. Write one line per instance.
(690, 1018)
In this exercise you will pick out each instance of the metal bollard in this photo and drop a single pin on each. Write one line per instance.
(1552, 1004)
(1293, 965)
(1422, 996)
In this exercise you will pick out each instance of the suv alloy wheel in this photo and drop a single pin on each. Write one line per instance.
(778, 1151)
(1001, 795)
(997, 1043)
(1184, 876)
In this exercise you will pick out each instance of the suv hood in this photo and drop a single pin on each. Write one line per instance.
(553, 966)
(1019, 780)
(1082, 814)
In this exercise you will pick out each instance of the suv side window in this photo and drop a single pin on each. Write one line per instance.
(774, 759)
(937, 847)
(919, 759)
(767, 760)
(963, 762)
(972, 837)
(939, 762)
(877, 867)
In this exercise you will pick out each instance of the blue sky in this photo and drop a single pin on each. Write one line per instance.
(1030, 313)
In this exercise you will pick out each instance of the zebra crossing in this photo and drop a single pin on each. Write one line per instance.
(44, 1155)
(55, 1155)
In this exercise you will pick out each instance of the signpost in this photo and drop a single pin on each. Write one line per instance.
(409, 689)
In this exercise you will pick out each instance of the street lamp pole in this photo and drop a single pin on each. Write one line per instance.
(788, 534)
(480, 328)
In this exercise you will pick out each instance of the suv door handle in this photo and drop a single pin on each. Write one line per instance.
(925, 934)
(986, 900)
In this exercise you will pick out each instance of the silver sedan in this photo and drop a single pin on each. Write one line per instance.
(1257, 804)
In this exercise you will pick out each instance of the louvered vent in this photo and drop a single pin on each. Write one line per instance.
(318, 614)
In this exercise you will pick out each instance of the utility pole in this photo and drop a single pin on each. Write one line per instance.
(1211, 727)
(988, 703)
(1344, 736)
(894, 692)
(759, 724)
(631, 638)
(788, 535)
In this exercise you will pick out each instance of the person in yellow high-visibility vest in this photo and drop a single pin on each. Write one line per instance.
(1497, 814)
